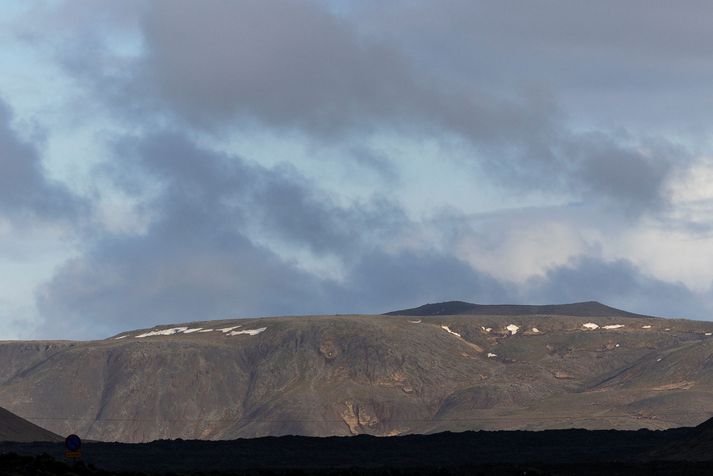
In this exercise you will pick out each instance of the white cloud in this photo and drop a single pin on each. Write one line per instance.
(518, 245)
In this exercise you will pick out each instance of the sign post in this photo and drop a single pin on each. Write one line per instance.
(73, 447)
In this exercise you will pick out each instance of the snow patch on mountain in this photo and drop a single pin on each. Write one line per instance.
(163, 332)
(251, 332)
(448, 329)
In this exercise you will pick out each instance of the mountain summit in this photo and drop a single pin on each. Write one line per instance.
(452, 308)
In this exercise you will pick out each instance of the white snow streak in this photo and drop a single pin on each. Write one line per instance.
(591, 326)
(415, 322)
(709, 333)
(251, 332)
(614, 326)
(225, 330)
(448, 329)
(163, 332)
(121, 337)
(191, 331)
(646, 327)
(491, 355)
(535, 330)
(513, 328)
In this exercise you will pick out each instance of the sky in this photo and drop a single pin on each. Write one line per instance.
(170, 161)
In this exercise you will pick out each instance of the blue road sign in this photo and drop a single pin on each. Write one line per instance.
(73, 443)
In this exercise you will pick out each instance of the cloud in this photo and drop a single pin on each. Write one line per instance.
(287, 63)
(618, 283)
(382, 282)
(204, 255)
(505, 95)
(25, 191)
(294, 66)
(201, 257)
(613, 62)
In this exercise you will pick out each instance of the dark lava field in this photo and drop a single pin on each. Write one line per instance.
(555, 452)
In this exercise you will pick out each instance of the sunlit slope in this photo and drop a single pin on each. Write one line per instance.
(383, 375)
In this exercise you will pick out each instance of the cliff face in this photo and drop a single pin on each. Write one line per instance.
(381, 375)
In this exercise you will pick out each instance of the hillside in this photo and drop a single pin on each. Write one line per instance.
(14, 428)
(381, 375)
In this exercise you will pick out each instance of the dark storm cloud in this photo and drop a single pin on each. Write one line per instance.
(222, 225)
(617, 283)
(185, 268)
(278, 201)
(25, 191)
(578, 47)
(623, 175)
(197, 260)
(293, 65)
(408, 278)
(287, 63)
(194, 261)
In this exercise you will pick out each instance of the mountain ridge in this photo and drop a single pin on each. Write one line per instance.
(578, 309)
(365, 374)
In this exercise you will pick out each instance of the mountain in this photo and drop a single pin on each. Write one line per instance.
(450, 308)
(380, 375)
(14, 428)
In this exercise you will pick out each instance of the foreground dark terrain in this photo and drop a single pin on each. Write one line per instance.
(557, 452)
(442, 367)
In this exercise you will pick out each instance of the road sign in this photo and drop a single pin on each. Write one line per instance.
(74, 447)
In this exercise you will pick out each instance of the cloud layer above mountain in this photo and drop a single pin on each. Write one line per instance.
(198, 160)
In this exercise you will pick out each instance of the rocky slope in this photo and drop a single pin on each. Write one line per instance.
(382, 375)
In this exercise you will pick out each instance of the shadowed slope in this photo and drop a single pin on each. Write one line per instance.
(14, 428)
(696, 446)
